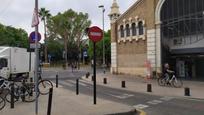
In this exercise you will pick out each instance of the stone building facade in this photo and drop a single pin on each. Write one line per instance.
(136, 35)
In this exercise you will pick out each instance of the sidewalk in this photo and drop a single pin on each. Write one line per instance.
(66, 102)
(138, 84)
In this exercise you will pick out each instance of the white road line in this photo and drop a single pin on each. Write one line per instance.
(166, 98)
(140, 106)
(83, 84)
(123, 96)
(154, 102)
(80, 83)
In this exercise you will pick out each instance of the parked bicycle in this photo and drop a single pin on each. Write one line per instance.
(44, 85)
(173, 81)
(2, 103)
(25, 92)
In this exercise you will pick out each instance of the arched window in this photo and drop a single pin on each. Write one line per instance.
(127, 29)
(141, 28)
(134, 30)
(121, 31)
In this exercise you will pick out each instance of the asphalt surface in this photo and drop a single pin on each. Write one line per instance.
(152, 105)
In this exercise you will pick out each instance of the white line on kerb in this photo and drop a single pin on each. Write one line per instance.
(140, 106)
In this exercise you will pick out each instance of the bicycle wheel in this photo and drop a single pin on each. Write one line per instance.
(16, 94)
(177, 83)
(44, 86)
(2, 103)
(30, 93)
(161, 81)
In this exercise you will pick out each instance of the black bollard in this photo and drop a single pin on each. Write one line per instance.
(49, 109)
(57, 81)
(77, 86)
(12, 95)
(92, 78)
(87, 75)
(123, 84)
(149, 87)
(187, 91)
(105, 80)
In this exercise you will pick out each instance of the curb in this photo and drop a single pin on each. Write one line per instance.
(131, 112)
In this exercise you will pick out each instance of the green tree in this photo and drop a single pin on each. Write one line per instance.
(55, 49)
(81, 23)
(68, 27)
(45, 15)
(10, 36)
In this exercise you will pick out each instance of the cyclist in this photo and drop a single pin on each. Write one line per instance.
(167, 72)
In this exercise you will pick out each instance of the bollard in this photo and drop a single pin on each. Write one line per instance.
(105, 80)
(92, 78)
(50, 102)
(187, 91)
(12, 95)
(57, 81)
(123, 84)
(77, 86)
(87, 75)
(149, 87)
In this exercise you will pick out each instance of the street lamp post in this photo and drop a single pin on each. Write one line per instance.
(103, 10)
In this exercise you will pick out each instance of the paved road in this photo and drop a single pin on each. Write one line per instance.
(152, 105)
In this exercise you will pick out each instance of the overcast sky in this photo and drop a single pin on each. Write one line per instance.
(18, 13)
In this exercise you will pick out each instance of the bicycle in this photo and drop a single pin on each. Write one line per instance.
(173, 81)
(43, 84)
(24, 91)
(2, 103)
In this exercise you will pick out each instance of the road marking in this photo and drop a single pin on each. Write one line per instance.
(83, 84)
(154, 102)
(123, 96)
(80, 83)
(166, 98)
(140, 106)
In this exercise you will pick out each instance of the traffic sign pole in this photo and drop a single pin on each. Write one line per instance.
(94, 71)
(95, 34)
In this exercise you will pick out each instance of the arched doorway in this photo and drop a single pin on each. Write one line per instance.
(182, 35)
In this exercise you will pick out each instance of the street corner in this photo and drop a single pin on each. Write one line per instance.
(140, 112)
(130, 112)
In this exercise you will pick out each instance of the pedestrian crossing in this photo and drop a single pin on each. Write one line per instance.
(152, 102)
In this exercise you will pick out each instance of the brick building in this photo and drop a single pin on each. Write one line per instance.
(158, 31)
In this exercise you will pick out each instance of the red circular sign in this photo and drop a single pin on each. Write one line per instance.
(95, 34)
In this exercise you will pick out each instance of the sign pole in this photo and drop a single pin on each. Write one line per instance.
(95, 34)
(94, 71)
(36, 60)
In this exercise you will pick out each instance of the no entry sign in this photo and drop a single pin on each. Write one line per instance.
(95, 34)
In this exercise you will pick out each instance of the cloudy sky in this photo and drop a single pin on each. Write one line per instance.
(18, 13)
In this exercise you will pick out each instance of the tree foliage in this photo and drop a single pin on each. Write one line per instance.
(10, 36)
(45, 15)
(68, 28)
